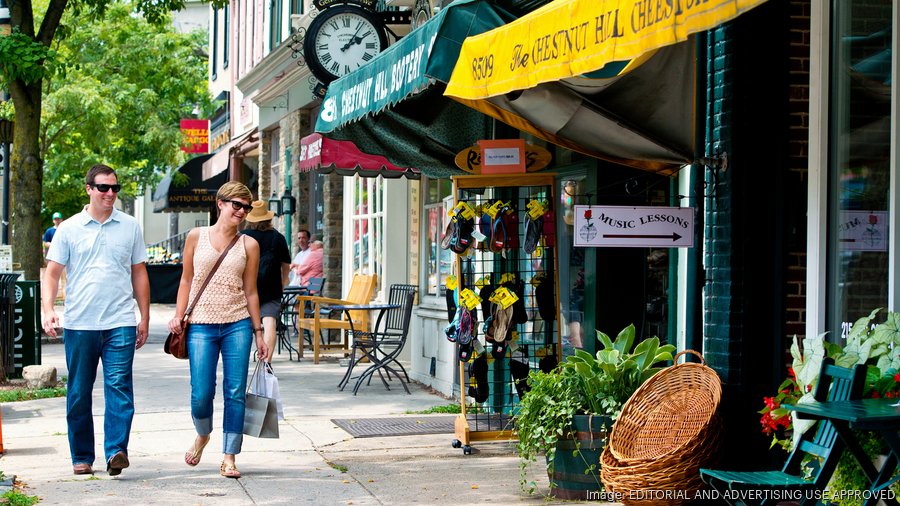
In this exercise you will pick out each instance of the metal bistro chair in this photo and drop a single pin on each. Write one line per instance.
(290, 312)
(382, 347)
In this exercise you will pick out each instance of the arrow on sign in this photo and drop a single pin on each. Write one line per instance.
(672, 236)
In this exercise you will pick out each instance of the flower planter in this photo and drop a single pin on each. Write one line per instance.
(572, 477)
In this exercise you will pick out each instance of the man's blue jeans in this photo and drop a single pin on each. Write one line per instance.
(205, 342)
(84, 349)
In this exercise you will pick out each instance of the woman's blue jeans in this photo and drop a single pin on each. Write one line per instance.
(84, 350)
(205, 342)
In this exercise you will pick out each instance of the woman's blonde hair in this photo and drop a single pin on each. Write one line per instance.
(234, 190)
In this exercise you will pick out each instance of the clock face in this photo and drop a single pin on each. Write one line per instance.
(340, 40)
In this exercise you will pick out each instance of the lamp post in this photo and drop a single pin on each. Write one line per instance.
(6, 134)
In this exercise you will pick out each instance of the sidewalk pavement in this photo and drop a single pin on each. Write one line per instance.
(305, 465)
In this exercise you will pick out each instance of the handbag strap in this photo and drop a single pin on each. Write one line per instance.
(209, 276)
(255, 372)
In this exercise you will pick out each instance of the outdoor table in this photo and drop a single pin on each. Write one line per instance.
(290, 309)
(877, 415)
(371, 354)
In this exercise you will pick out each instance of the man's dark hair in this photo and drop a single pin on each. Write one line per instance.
(97, 170)
(308, 235)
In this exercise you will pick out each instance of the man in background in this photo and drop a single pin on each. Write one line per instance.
(48, 234)
(303, 240)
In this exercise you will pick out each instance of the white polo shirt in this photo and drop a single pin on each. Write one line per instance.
(98, 259)
(298, 259)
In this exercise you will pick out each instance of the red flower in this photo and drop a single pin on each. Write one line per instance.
(770, 402)
(875, 394)
(792, 374)
(587, 214)
(897, 377)
(873, 219)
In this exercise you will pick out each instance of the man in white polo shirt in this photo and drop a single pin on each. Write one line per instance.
(103, 253)
(303, 240)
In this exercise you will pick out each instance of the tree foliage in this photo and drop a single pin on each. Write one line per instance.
(127, 84)
(35, 23)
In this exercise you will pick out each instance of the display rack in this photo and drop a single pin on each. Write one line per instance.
(493, 370)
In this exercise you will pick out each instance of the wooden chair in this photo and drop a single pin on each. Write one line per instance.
(291, 311)
(835, 384)
(361, 291)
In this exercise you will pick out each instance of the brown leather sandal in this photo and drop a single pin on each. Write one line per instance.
(229, 470)
(192, 456)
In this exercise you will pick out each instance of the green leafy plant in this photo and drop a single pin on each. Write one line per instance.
(16, 498)
(584, 384)
(877, 346)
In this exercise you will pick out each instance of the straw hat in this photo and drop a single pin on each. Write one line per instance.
(260, 212)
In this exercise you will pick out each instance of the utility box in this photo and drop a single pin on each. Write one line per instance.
(27, 340)
(7, 319)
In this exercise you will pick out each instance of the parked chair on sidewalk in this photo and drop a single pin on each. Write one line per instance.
(290, 311)
(322, 318)
(835, 384)
(383, 346)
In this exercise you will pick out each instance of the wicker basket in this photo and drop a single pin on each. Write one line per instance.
(666, 413)
(672, 480)
(666, 432)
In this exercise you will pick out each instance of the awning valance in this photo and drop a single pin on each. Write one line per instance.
(426, 54)
(326, 155)
(220, 162)
(185, 190)
(569, 38)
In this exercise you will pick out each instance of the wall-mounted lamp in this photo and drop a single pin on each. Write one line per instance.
(288, 203)
(275, 204)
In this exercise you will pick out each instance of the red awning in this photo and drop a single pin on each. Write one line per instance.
(325, 155)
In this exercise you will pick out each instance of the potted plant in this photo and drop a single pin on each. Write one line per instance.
(567, 413)
(877, 346)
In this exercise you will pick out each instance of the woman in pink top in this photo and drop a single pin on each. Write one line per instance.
(223, 322)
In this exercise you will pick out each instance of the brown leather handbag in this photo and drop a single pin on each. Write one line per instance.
(176, 342)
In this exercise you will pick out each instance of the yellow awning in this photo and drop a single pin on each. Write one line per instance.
(568, 38)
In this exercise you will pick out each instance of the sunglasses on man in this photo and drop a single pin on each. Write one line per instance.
(238, 205)
(103, 188)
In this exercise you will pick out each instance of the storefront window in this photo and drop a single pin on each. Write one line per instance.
(438, 201)
(859, 160)
(572, 191)
(367, 225)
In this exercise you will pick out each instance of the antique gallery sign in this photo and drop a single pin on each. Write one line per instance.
(195, 136)
(634, 227)
(566, 39)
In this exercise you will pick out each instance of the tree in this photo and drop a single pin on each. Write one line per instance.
(126, 86)
(27, 58)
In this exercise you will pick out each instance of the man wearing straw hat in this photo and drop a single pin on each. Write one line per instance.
(274, 266)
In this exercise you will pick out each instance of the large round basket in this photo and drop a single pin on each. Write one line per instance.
(666, 413)
(673, 480)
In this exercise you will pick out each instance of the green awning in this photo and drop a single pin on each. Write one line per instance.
(411, 65)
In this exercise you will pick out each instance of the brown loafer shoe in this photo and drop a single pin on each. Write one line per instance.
(116, 463)
(82, 469)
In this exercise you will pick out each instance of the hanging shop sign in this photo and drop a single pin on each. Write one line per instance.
(536, 158)
(863, 230)
(195, 136)
(634, 227)
(568, 38)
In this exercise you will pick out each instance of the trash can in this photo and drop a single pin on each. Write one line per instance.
(7, 320)
(27, 331)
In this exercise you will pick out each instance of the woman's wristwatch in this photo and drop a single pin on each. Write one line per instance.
(258, 329)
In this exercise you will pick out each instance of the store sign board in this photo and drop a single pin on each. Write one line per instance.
(634, 227)
(502, 156)
(6, 261)
(863, 230)
(536, 158)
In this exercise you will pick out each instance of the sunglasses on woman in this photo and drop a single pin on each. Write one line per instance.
(238, 205)
(103, 188)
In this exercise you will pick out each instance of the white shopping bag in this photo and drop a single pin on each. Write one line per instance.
(266, 385)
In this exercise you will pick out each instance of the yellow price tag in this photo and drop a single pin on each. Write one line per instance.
(536, 209)
(540, 352)
(465, 210)
(469, 298)
(507, 278)
(451, 282)
(482, 281)
(493, 209)
(503, 297)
